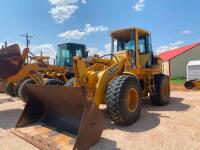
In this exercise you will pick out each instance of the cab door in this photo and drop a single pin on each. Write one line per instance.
(145, 50)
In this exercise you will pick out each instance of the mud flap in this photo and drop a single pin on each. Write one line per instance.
(10, 61)
(58, 117)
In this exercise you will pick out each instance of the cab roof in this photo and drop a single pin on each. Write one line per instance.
(126, 33)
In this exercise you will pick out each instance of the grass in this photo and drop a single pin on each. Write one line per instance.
(178, 80)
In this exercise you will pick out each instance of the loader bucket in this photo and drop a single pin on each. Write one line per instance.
(10, 61)
(58, 117)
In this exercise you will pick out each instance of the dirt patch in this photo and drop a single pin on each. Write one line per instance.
(175, 126)
(178, 87)
(181, 87)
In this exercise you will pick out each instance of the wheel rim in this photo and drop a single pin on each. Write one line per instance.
(166, 91)
(132, 100)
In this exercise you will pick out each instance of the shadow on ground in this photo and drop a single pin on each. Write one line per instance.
(149, 119)
(150, 116)
(110, 145)
(174, 105)
(8, 118)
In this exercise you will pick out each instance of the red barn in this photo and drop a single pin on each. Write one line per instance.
(175, 61)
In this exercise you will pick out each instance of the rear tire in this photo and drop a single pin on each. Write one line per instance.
(123, 99)
(54, 82)
(189, 84)
(21, 93)
(162, 87)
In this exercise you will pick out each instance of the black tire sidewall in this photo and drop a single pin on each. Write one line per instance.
(116, 99)
(132, 83)
(158, 98)
(54, 82)
(21, 91)
(189, 85)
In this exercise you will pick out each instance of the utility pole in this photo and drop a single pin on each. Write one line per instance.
(28, 41)
(28, 37)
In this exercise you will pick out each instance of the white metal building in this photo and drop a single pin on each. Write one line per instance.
(193, 70)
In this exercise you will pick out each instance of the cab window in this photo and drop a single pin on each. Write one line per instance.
(79, 52)
(145, 45)
(125, 45)
(67, 57)
(142, 45)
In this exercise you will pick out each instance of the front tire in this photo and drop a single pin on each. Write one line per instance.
(21, 92)
(123, 99)
(189, 84)
(54, 82)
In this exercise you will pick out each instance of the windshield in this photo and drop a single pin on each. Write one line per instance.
(66, 52)
(125, 45)
(145, 45)
(121, 43)
(64, 57)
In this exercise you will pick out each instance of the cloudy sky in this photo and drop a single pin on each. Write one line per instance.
(173, 23)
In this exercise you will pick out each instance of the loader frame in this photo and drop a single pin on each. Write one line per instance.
(120, 63)
(35, 67)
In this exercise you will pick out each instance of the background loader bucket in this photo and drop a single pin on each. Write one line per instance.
(10, 61)
(58, 117)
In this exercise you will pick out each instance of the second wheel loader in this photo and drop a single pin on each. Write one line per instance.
(60, 117)
(15, 70)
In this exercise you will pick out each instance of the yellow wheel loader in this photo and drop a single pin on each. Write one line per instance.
(37, 70)
(61, 117)
(17, 72)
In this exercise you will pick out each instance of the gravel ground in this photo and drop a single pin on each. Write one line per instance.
(174, 127)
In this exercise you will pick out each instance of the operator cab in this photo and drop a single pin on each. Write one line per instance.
(136, 40)
(66, 52)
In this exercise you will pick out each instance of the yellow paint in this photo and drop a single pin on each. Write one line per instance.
(197, 84)
(132, 100)
(31, 69)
